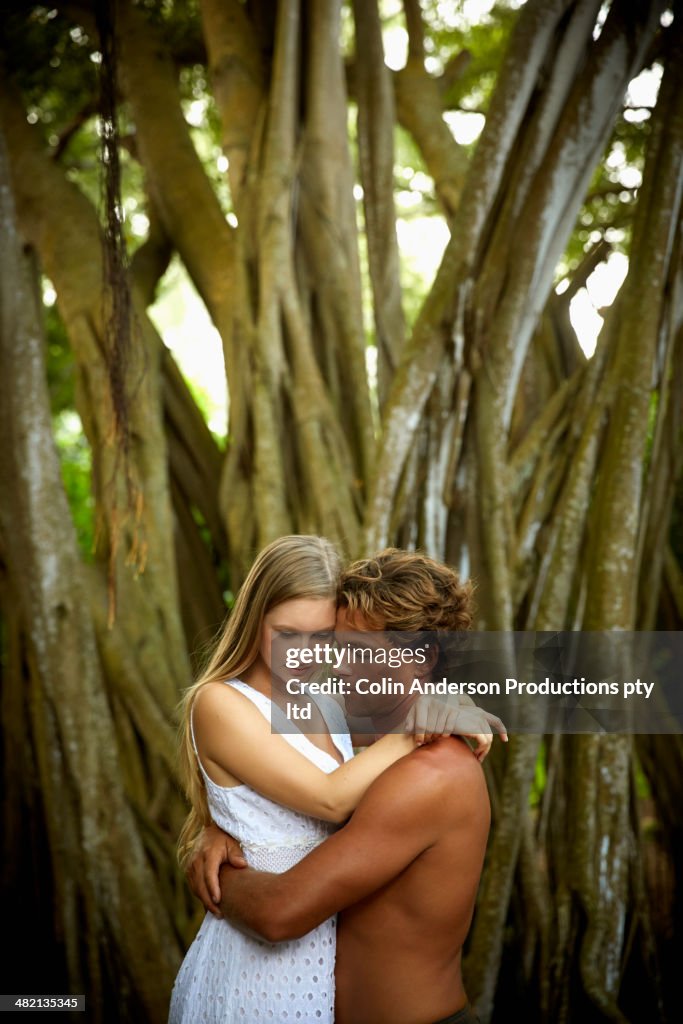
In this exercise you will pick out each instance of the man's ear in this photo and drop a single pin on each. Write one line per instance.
(432, 651)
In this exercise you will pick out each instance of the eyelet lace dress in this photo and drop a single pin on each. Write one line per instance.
(230, 977)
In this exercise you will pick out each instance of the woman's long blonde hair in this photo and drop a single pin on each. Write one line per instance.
(290, 567)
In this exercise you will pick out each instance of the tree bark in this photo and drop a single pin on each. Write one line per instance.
(88, 818)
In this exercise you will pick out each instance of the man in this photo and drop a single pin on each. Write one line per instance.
(403, 873)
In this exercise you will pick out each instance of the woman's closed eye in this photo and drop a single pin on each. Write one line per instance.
(290, 634)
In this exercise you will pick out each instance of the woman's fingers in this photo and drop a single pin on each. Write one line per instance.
(230, 852)
(236, 858)
(473, 719)
(196, 879)
(412, 725)
(497, 724)
(437, 722)
(472, 722)
(442, 723)
(459, 718)
(212, 849)
(420, 712)
(213, 859)
(483, 741)
(430, 718)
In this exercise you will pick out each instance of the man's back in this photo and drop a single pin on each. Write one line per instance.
(399, 948)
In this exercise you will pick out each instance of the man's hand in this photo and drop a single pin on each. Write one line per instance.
(213, 848)
(430, 717)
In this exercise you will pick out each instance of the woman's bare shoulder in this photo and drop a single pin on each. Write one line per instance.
(218, 703)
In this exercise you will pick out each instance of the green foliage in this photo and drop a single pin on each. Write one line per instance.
(450, 33)
(55, 63)
(221, 568)
(610, 201)
(540, 776)
(72, 444)
(76, 464)
(641, 780)
(50, 57)
(205, 405)
(60, 361)
(651, 426)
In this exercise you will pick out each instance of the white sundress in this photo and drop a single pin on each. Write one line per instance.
(228, 977)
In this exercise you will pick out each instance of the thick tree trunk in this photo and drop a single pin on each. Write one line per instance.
(101, 896)
(376, 118)
(492, 442)
(56, 218)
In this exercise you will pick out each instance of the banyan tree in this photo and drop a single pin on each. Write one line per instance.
(462, 417)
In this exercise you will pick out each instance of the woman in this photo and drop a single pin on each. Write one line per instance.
(278, 794)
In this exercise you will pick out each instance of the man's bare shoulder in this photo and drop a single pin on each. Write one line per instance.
(446, 761)
(446, 769)
(449, 754)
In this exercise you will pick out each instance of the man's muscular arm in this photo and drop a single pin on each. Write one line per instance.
(400, 816)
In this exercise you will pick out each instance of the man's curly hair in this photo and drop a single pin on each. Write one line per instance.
(407, 591)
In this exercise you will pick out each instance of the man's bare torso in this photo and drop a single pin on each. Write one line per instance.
(399, 949)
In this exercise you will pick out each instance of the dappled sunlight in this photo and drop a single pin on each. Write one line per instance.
(185, 327)
(587, 308)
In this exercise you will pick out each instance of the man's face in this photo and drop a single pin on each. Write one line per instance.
(349, 627)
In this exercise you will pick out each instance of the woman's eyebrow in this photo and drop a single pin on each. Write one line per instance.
(295, 629)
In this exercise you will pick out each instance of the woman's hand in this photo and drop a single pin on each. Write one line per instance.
(213, 848)
(430, 717)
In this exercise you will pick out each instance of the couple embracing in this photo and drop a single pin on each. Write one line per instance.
(347, 882)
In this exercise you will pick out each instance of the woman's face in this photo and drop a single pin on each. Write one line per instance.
(292, 625)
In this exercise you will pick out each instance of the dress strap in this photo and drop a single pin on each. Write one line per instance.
(194, 743)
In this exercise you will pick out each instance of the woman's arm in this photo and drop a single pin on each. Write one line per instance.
(231, 733)
(458, 715)
(431, 717)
